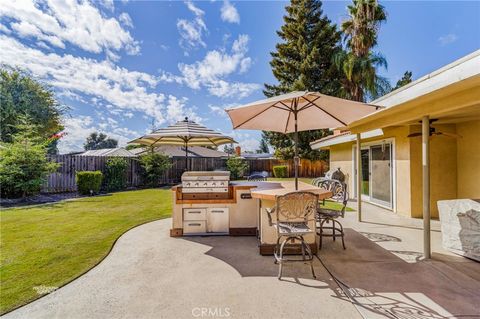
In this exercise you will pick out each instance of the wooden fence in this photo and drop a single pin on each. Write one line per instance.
(307, 168)
(64, 179)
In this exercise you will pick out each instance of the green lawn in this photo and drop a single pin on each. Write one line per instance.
(49, 245)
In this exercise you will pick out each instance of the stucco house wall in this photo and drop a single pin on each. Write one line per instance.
(341, 157)
(454, 165)
(443, 169)
(468, 160)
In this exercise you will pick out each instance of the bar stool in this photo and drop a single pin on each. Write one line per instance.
(293, 212)
(325, 215)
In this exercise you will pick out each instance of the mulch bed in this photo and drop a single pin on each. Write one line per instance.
(38, 199)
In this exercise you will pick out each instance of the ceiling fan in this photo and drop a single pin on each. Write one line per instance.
(433, 132)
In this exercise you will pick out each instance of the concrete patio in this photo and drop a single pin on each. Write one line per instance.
(151, 275)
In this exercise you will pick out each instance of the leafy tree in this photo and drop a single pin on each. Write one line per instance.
(154, 165)
(97, 141)
(24, 165)
(21, 95)
(304, 61)
(358, 63)
(237, 167)
(228, 148)
(406, 78)
(263, 147)
(115, 173)
(133, 146)
(284, 145)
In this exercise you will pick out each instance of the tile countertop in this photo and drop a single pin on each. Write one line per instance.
(270, 190)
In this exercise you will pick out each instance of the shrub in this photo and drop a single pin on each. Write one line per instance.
(154, 165)
(115, 173)
(280, 171)
(237, 167)
(24, 165)
(89, 182)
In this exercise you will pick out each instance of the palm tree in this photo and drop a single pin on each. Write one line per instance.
(361, 29)
(360, 75)
(358, 63)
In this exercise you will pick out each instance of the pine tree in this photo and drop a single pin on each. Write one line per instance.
(303, 61)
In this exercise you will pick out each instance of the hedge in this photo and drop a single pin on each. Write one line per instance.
(280, 171)
(89, 182)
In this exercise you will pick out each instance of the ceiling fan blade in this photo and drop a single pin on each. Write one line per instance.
(450, 134)
(414, 134)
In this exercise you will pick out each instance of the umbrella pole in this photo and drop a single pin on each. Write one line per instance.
(295, 158)
(186, 156)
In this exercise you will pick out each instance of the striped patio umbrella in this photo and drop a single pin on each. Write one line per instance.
(186, 133)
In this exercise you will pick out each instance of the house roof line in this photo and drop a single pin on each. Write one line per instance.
(343, 138)
(424, 78)
(449, 78)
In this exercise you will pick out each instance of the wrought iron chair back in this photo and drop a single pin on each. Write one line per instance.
(296, 207)
(338, 189)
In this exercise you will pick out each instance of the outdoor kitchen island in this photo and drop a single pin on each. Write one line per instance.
(236, 210)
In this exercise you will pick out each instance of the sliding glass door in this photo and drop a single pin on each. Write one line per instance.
(377, 174)
(365, 174)
(381, 174)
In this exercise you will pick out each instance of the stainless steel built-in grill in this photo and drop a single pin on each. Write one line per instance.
(201, 188)
(205, 182)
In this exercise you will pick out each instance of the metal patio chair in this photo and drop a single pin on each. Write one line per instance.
(293, 212)
(325, 215)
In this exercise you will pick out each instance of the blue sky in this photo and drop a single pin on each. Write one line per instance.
(121, 65)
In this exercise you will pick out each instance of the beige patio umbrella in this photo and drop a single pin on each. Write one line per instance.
(298, 111)
(186, 133)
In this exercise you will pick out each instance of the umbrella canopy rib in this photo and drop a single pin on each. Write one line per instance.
(253, 117)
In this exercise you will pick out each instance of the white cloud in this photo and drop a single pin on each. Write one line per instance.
(78, 128)
(211, 72)
(108, 4)
(246, 141)
(191, 32)
(229, 13)
(125, 19)
(177, 110)
(250, 145)
(59, 22)
(220, 109)
(447, 39)
(4, 29)
(120, 87)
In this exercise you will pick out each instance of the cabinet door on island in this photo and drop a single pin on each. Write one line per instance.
(217, 220)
